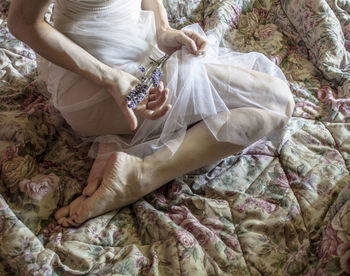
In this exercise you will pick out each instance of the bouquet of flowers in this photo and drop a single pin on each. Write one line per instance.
(150, 78)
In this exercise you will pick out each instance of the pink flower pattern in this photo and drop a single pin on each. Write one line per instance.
(204, 227)
(185, 238)
(213, 224)
(276, 59)
(329, 243)
(202, 234)
(3, 204)
(254, 203)
(9, 153)
(39, 186)
(265, 31)
(317, 272)
(343, 251)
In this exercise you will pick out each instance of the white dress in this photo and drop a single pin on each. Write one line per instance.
(122, 35)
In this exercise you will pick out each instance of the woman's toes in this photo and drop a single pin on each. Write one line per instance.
(120, 186)
(63, 221)
(62, 212)
(91, 187)
(72, 221)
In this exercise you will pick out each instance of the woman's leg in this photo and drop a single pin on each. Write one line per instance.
(98, 167)
(271, 92)
(89, 109)
(127, 178)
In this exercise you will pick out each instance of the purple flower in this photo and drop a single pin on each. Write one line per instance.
(132, 104)
(142, 68)
(137, 94)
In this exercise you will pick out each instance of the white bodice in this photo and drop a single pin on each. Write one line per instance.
(121, 34)
(119, 10)
(117, 32)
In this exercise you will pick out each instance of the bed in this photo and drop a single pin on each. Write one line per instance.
(265, 211)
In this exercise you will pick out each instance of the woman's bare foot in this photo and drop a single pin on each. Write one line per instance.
(95, 176)
(120, 186)
(98, 167)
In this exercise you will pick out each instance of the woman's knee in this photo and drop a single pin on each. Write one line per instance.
(291, 105)
(287, 94)
(250, 123)
(282, 96)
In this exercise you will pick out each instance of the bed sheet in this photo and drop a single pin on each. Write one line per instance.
(263, 211)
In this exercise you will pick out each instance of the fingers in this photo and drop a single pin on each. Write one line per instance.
(188, 42)
(155, 114)
(161, 112)
(161, 97)
(203, 45)
(200, 42)
(156, 107)
(159, 102)
(154, 92)
(130, 115)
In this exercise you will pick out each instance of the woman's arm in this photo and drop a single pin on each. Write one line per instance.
(26, 22)
(161, 17)
(169, 39)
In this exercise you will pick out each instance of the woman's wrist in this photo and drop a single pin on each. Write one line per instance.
(119, 81)
(161, 31)
(109, 76)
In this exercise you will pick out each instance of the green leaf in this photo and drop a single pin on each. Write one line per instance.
(219, 246)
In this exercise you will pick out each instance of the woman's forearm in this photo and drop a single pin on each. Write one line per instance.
(31, 28)
(161, 17)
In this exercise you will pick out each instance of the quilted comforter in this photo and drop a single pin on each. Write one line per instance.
(263, 211)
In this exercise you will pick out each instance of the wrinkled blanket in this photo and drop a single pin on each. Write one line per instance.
(263, 211)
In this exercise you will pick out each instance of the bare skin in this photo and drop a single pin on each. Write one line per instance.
(27, 23)
(122, 179)
(127, 178)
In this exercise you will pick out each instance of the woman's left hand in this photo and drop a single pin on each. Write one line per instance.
(153, 106)
(171, 40)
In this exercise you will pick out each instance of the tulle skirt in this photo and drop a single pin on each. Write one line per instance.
(204, 88)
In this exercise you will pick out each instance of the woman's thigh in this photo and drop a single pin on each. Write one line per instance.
(90, 110)
(269, 91)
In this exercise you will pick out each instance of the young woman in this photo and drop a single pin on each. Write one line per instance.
(216, 102)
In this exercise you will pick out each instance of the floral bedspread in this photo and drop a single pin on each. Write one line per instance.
(264, 211)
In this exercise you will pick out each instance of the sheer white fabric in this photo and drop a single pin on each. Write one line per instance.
(120, 34)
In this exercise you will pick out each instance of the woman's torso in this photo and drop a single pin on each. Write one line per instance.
(117, 32)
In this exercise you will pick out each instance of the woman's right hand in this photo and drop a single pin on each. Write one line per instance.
(152, 107)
